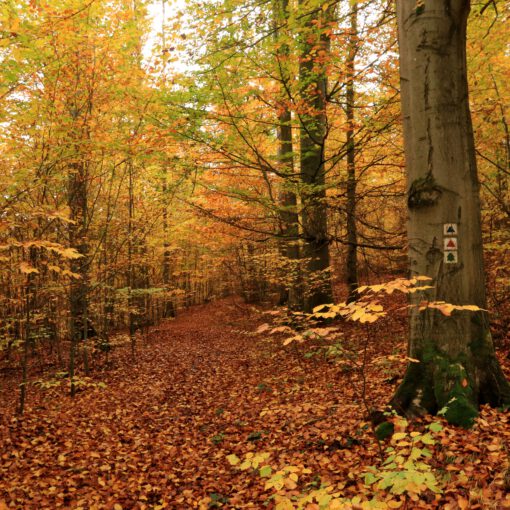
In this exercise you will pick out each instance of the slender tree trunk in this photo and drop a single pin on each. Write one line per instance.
(131, 275)
(108, 294)
(169, 309)
(351, 264)
(457, 366)
(315, 45)
(168, 306)
(29, 290)
(78, 294)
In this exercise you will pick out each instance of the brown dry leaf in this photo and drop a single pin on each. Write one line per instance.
(463, 503)
(262, 328)
(168, 420)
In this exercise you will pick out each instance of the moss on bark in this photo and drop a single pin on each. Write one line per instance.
(454, 393)
(454, 386)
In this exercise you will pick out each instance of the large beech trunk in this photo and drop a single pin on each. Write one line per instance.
(291, 292)
(457, 367)
(315, 47)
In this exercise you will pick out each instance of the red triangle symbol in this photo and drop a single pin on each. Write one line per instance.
(451, 244)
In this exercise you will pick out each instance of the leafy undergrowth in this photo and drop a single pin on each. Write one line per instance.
(209, 402)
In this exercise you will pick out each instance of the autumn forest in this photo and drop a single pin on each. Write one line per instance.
(254, 254)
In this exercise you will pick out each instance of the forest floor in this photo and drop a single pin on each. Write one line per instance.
(206, 386)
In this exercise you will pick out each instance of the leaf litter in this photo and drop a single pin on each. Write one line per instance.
(210, 387)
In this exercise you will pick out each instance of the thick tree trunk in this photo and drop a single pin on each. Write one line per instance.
(457, 366)
(351, 263)
(290, 293)
(315, 45)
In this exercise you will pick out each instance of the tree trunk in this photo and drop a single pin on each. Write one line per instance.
(290, 292)
(168, 304)
(351, 263)
(289, 218)
(29, 291)
(78, 294)
(457, 368)
(131, 268)
(315, 46)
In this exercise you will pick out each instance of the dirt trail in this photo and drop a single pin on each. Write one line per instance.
(159, 433)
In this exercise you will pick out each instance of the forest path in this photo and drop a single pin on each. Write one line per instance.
(202, 387)
(160, 431)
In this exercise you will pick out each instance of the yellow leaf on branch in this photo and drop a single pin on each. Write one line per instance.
(26, 268)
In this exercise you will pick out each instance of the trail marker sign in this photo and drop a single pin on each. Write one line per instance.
(451, 257)
(450, 229)
(450, 244)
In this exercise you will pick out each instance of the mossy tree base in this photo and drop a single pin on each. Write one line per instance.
(454, 387)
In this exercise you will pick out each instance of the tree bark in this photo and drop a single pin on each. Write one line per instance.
(315, 47)
(168, 310)
(78, 293)
(351, 263)
(457, 368)
(290, 293)
(168, 305)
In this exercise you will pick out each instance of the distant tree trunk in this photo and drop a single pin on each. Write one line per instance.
(29, 289)
(131, 268)
(290, 293)
(78, 294)
(315, 46)
(457, 366)
(351, 264)
(108, 293)
(168, 306)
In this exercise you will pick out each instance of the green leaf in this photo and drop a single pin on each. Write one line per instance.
(428, 439)
(265, 471)
(435, 427)
(370, 478)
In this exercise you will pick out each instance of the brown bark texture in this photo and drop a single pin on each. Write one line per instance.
(290, 293)
(351, 262)
(315, 46)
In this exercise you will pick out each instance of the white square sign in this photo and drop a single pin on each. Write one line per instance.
(450, 244)
(451, 257)
(450, 229)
